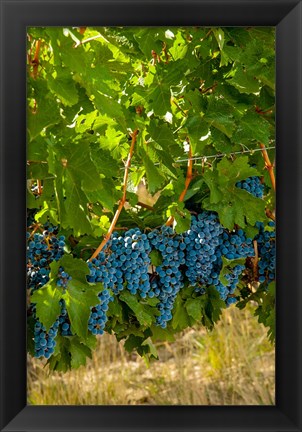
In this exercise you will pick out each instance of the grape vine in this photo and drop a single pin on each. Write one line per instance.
(151, 184)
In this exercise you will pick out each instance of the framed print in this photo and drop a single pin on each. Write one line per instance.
(142, 138)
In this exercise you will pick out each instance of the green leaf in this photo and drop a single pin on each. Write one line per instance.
(152, 349)
(221, 116)
(154, 176)
(244, 82)
(45, 115)
(159, 98)
(233, 205)
(160, 334)
(252, 127)
(219, 35)
(194, 307)
(197, 131)
(79, 298)
(79, 352)
(238, 207)
(64, 88)
(227, 267)
(75, 267)
(132, 343)
(148, 41)
(181, 319)
(144, 318)
(156, 258)
(47, 300)
(213, 307)
(161, 134)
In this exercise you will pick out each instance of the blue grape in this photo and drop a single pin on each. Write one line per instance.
(167, 279)
(267, 252)
(42, 250)
(98, 315)
(252, 185)
(44, 342)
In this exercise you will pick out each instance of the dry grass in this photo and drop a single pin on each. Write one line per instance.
(233, 365)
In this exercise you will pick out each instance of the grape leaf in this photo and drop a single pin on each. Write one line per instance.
(181, 319)
(194, 307)
(79, 298)
(47, 301)
(143, 317)
(64, 88)
(227, 266)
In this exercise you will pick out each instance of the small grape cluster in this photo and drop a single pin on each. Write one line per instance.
(42, 250)
(64, 320)
(106, 269)
(201, 241)
(267, 252)
(63, 278)
(168, 280)
(132, 258)
(45, 341)
(232, 245)
(252, 185)
(98, 315)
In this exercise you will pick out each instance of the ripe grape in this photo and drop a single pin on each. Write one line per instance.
(267, 252)
(98, 315)
(167, 279)
(42, 250)
(45, 341)
(252, 185)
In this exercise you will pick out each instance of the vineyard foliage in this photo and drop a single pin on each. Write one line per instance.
(113, 115)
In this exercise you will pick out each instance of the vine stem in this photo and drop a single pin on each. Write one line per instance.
(122, 200)
(268, 165)
(36, 227)
(256, 258)
(270, 214)
(35, 61)
(99, 36)
(39, 187)
(189, 177)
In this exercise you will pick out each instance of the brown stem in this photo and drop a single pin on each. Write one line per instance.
(122, 200)
(255, 259)
(187, 183)
(146, 206)
(270, 214)
(166, 53)
(268, 166)
(36, 227)
(39, 183)
(35, 62)
(179, 107)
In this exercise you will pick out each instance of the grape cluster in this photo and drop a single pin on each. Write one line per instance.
(132, 258)
(168, 277)
(45, 342)
(64, 320)
(195, 255)
(267, 252)
(232, 245)
(63, 278)
(106, 269)
(252, 185)
(98, 316)
(42, 249)
(201, 241)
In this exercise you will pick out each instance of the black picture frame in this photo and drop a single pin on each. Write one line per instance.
(15, 17)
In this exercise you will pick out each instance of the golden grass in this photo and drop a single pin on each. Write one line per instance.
(233, 365)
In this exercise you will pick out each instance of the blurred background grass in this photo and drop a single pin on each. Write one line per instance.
(233, 365)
